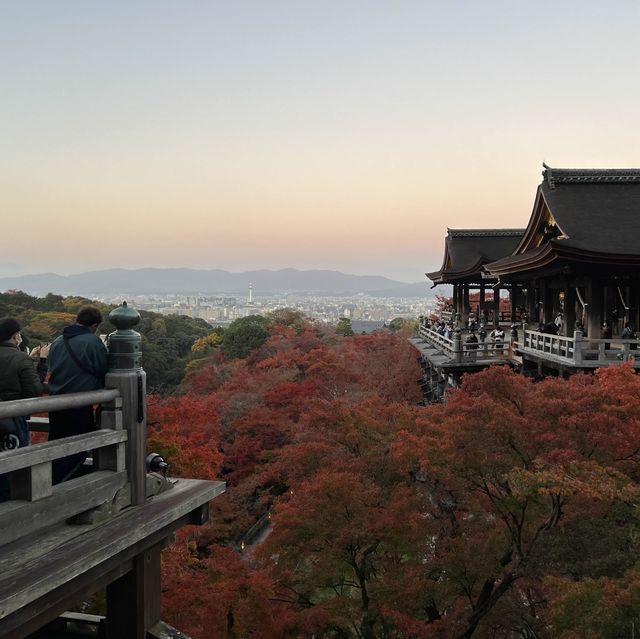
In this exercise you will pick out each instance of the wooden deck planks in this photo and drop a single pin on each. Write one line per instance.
(26, 579)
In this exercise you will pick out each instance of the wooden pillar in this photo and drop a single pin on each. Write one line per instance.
(133, 601)
(530, 302)
(550, 297)
(465, 304)
(594, 308)
(512, 299)
(606, 305)
(496, 306)
(133, 391)
(634, 305)
(542, 295)
(570, 300)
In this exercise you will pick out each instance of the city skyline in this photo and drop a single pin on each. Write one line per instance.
(342, 136)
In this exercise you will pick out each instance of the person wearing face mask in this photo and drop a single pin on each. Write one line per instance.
(18, 380)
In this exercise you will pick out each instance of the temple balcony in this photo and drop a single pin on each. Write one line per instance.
(455, 352)
(557, 351)
(578, 351)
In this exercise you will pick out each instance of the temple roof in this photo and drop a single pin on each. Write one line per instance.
(468, 250)
(584, 215)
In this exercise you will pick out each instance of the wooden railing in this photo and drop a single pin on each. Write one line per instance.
(35, 502)
(457, 349)
(437, 340)
(555, 346)
(580, 351)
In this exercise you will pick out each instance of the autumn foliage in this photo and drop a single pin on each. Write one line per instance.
(353, 511)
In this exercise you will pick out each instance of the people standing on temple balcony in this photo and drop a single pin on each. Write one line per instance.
(605, 333)
(558, 321)
(497, 336)
(628, 333)
(18, 380)
(472, 346)
(77, 362)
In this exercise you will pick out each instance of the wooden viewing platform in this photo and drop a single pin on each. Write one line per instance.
(61, 543)
(445, 360)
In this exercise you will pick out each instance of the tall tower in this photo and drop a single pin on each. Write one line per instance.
(250, 293)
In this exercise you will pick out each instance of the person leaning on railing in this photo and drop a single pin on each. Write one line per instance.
(77, 362)
(18, 380)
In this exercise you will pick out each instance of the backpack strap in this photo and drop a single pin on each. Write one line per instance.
(76, 361)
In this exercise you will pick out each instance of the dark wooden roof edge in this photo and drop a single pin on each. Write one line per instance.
(485, 232)
(589, 176)
(449, 277)
(552, 252)
(526, 261)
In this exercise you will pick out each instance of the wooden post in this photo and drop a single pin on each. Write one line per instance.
(133, 601)
(496, 306)
(569, 319)
(457, 346)
(578, 343)
(465, 304)
(126, 374)
(532, 311)
(133, 387)
(594, 308)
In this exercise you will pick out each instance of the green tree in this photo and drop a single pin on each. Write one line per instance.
(344, 327)
(244, 335)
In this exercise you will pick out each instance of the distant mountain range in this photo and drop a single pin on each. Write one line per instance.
(192, 281)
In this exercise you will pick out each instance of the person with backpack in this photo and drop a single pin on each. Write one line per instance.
(77, 362)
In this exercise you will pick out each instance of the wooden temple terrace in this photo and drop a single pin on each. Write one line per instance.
(105, 529)
(575, 267)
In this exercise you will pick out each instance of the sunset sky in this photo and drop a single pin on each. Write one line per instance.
(338, 134)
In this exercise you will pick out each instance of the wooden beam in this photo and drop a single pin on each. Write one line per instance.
(22, 518)
(133, 601)
(12, 460)
(23, 407)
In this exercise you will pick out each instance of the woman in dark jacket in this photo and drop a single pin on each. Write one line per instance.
(18, 380)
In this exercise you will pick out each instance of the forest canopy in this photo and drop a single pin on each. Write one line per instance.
(352, 511)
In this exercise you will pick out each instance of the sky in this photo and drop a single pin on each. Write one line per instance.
(343, 134)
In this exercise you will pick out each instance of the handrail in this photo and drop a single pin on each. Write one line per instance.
(22, 407)
(437, 339)
(12, 460)
(489, 349)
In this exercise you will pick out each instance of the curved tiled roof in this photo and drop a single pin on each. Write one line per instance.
(597, 212)
(468, 250)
